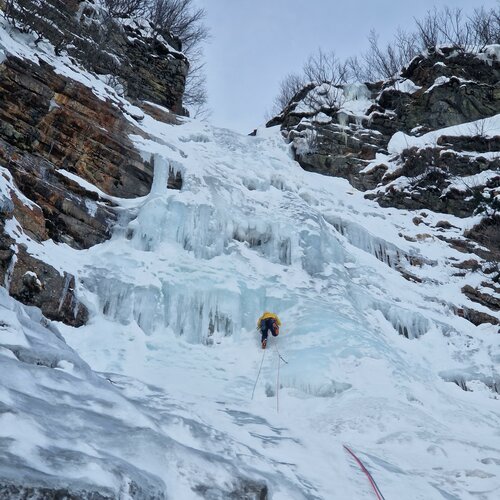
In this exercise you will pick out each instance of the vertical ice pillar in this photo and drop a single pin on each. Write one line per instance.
(160, 177)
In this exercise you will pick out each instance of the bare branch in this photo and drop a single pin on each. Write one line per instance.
(125, 8)
(289, 86)
(182, 19)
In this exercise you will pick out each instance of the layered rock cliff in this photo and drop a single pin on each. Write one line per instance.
(55, 124)
(143, 64)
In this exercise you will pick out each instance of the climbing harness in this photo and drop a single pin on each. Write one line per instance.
(376, 489)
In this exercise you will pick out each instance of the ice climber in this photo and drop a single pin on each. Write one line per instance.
(268, 322)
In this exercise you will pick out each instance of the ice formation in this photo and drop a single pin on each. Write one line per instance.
(176, 292)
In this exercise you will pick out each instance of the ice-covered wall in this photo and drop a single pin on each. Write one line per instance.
(196, 283)
(363, 239)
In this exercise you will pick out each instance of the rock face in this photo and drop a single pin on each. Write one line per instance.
(65, 151)
(432, 181)
(50, 127)
(348, 132)
(342, 135)
(10, 491)
(35, 283)
(148, 67)
(62, 121)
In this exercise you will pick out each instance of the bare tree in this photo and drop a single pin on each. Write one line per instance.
(428, 29)
(325, 67)
(451, 27)
(384, 62)
(448, 26)
(485, 27)
(9, 10)
(195, 94)
(329, 74)
(125, 8)
(289, 87)
(183, 19)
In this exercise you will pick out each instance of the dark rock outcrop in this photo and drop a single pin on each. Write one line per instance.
(431, 175)
(148, 67)
(340, 152)
(36, 283)
(442, 88)
(482, 297)
(50, 127)
(487, 234)
(244, 489)
(12, 491)
(61, 120)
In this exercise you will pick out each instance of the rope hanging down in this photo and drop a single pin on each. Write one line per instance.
(279, 354)
(280, 358)
(258, 374)
(278, 381)
(367, 473)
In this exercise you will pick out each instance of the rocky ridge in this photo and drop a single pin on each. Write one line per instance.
(141, 64)
(397, 140)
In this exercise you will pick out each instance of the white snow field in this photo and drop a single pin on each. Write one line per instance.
(177, 291)
(164, 407)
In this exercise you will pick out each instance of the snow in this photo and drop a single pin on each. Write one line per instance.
(404, 85)
(356, 92)
(33, 275)
(490, 52)
(174, 297)
(443, 80)
(12, 42)
(470, 182)
(486, 127)
(179, 298)
(380, 159)
(440, 80)
(357, 99)
(322, 118)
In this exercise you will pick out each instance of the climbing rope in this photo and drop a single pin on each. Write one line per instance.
(278, 381)
(279, 354)
(258, 374)
(368, 475)
(280, 358)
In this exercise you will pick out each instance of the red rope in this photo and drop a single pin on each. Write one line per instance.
(368, 475)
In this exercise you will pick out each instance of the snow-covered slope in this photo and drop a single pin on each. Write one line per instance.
(164, 407)
(175, 294)
(66, 432)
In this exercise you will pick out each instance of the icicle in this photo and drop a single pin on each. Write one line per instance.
(343, 119)
(64, 293)
(160, 177)
(10, 269)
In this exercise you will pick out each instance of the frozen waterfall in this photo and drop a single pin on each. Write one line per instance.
(175, 294)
